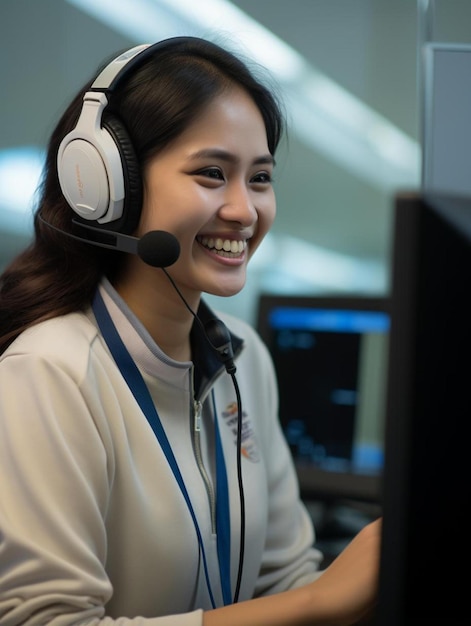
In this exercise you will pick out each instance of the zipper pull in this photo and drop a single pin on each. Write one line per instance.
(197, 407)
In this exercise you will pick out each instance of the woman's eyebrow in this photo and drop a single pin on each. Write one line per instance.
(224, 155)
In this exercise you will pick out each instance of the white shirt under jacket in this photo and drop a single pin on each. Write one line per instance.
(93, 526)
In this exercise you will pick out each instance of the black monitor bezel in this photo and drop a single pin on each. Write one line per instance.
(426, 488)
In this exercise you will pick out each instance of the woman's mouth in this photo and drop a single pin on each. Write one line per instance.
(224, 247)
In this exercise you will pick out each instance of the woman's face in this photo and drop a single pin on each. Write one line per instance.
(212, 188)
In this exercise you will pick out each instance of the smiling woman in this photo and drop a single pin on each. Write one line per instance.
(185, 506)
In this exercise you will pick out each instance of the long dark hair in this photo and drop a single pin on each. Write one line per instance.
(57, 274)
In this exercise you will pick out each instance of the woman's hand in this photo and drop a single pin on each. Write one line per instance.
(347, 590)
(344, 594)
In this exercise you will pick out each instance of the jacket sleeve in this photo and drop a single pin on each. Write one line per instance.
(54, 485)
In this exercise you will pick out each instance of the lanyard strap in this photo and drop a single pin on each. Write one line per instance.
(142, 395)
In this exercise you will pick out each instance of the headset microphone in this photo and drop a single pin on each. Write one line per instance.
(157, 248)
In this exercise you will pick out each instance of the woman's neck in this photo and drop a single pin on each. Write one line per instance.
(161, 310)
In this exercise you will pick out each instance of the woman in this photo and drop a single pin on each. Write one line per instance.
(144, 476)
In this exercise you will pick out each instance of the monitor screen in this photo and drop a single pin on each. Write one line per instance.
(330, 355)
(426, 492)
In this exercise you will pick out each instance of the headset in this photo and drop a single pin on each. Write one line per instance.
(98, 171)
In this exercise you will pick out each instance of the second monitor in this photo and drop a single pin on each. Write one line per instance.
(330, 356)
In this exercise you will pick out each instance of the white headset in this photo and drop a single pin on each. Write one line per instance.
(98, 170)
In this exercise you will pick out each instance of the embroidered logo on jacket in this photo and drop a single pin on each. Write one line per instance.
(249, 442)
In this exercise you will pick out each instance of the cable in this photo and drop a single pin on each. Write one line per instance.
(241, 490)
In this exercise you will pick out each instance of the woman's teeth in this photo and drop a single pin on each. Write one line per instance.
(223, 245)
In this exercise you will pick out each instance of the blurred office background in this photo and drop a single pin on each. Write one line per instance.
(349, 72)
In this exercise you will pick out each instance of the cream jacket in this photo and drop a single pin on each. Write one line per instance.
(93, 526)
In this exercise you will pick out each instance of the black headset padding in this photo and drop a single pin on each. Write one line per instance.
(133, 194)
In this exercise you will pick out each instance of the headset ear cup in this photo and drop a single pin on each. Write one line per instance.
(131, 174)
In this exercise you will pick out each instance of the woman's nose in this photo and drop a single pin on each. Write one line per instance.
(239, 206)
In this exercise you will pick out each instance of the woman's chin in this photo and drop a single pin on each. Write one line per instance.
(226, 290)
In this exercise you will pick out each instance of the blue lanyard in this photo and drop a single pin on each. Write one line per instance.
(141, 393)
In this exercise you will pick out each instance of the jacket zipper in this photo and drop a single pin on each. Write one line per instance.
(197, 411)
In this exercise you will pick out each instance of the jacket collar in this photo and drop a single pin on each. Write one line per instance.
(207, 364)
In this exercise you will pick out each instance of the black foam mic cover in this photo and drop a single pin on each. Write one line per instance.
(158, 248)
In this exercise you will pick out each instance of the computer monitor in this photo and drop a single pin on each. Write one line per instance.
(426, 493)
(330, 355)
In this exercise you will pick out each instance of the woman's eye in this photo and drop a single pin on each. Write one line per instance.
(262, 177)
(212, 172)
